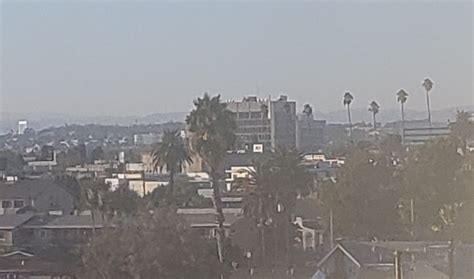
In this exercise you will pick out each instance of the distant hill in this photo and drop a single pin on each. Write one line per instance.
(390, 115)
(8, 121)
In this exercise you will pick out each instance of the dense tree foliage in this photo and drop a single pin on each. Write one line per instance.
(171, 154)
(152, 244)
(213, 133)
(420, 194)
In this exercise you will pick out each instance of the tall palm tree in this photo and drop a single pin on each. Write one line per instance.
(92, 197)
(258, 202)
(213, 133)
(290, 180)
(402, 97)
(172, 154)
(374, 108)
(348, 98)
(308, 110)
(428, 85)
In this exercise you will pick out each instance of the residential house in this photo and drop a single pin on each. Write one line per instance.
(25, 264)
(39, 195)
(309, 234)
(10, 226)
(417, 260)
(66, 230)
(355, 261)
(204, 220)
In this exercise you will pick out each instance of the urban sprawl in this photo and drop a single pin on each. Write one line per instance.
(250, 188)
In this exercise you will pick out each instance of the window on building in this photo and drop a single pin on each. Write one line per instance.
(244, 115)
(3, 236)
(43, 234)
(18, 203)
(6, 204)
(256, 115)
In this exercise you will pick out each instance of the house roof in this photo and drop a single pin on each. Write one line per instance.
(12, 221)
(344, 251)
(65, 222)
(23, 188)
(17, 253)
(46, 194)
(243, 159)
(206, 217)
(28, 188)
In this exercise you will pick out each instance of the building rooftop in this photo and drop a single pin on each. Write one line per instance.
(65, 221)
(12, 221)
(206, 217)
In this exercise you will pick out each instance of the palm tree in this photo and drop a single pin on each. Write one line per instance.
(258, 202)
(428, 85)
(374, 108)
(290, 180)
(92, 197)
(173, 154)
(308, 110)
(348, 98)
(402, 98)
(213, 133)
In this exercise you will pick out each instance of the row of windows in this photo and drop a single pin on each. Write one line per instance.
(13, 203)
(250, 115)
(247, 138)
(253, 122)
(64, 233)
(252, 130)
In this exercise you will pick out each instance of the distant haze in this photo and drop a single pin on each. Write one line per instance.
(98, 58)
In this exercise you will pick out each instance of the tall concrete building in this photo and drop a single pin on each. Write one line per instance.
(263, 121)
(283, 120)
(22, 126)
(311, 133)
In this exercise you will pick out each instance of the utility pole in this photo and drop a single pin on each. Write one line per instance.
(331, 229)
(412, 218)
(451, 259)
(398, 265)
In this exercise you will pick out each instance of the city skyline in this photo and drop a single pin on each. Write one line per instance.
(121, 59)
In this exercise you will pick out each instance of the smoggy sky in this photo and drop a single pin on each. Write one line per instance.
(106, 58)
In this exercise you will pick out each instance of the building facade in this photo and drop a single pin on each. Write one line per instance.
(253, 121)
(310, 135)
(263, 121)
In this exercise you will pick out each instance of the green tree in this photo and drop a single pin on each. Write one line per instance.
(429, 176)
(98, 153)
(402, 97)
(363, 199)
(374, 108)
(122, 201)
(11, 163)
(258, 203)
(463, 128)
(289, 181)
(93, 196)
(172, 154)
(308, 110)
(428, 85)
(347, 101)
(213, 133)
(185, 196)
(149, 245)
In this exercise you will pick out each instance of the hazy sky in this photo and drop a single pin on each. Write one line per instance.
(106, 58)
